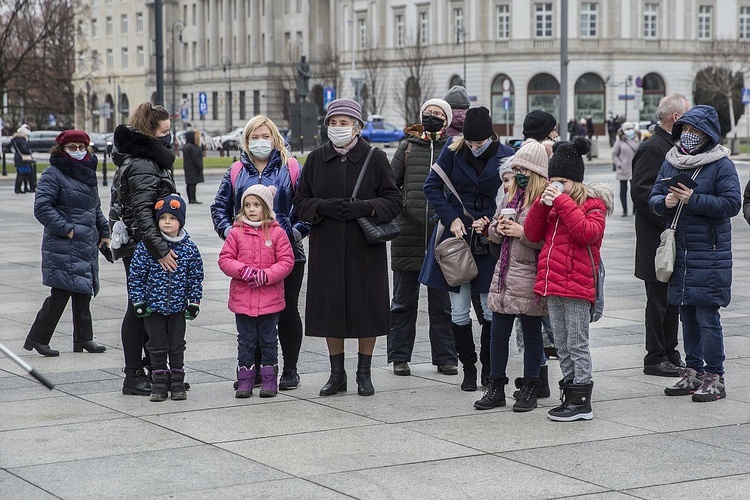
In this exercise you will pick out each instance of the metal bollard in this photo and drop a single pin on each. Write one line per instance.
(5, 168)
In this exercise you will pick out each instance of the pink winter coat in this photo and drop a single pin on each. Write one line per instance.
(246, 246)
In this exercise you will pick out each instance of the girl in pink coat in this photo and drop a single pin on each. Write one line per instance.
(257, 256)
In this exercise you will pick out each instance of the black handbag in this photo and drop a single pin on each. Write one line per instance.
(375, 233)
(479, 244)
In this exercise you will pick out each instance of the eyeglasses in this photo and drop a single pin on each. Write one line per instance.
(436, 114)
(75, 147)
(519, 170)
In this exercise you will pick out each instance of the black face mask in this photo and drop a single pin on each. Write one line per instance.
(166, 140)
(432, 123)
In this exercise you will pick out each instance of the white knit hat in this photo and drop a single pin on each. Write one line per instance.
(532, 155)
(23, 130)
(265, 193)
(447, 110)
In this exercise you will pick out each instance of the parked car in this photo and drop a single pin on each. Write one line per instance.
(645, 128)
(209, 142)
(6, 144)
(231, 140)
(42, 140)
(376, 129)
(99, 141)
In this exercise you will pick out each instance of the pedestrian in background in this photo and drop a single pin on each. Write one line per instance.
(471, 162)
(411, 164)
(257, 256)
(662, 358)
(458, 99)
(22, 159)
(702, 279)
(142, 151)
(622, 156)
(265, 160)
(68, 206)
(347, 283)
(166, 298)
(571, 223)
(192, 157)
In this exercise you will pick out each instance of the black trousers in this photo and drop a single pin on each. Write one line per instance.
(166, 338)
(191, 192)
(624, 193)
(290, 322)
(662, 322)
(23, 183)
(403, 330)
(52, 309)
(133, 333)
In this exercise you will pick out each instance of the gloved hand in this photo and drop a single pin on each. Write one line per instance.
(142, 310)
(260, 279)
(296, 235)
(330, 208)
(247, 274)
(192, 311)
(351, 210)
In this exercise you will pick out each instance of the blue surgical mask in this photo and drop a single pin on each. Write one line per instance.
(481, 149)
(630, 133)
(77, 155)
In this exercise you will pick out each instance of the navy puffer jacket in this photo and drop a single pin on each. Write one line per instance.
(703, 266)
(227, 203)
(67, 200)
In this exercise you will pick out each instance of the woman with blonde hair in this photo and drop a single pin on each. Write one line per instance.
(265, 160)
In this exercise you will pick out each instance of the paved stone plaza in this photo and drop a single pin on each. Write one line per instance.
(417, 437)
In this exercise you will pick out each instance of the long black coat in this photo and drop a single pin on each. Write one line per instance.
(648, 226)
(192, 156)
(416, 222)
(67, 200)
(347, 281)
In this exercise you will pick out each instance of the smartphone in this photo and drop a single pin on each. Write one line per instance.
(681, 178)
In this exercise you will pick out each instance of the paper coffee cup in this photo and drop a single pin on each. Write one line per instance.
(559, 187)
(508, 213)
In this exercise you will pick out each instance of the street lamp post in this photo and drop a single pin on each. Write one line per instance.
(228, 70)
(628, 81)
(177, 25)
(461, 38)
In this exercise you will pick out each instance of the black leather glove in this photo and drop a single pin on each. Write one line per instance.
(351, 210)
(330, 208)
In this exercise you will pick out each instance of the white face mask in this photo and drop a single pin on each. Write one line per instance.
(260, 148)
(340, 136)
(77, 155)
(630, 133)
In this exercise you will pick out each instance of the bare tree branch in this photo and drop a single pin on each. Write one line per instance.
(417, 79)
(375, 78)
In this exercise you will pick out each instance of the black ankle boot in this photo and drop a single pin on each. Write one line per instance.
(177, 384)
(364, 380)
(577, 404)
(160, 387)
(337, 381)
(526, 400)
(467, 355)
(494, 394)
(89, 346)
(136, 383)
(43, 349)
(470, 378)
(542, 390)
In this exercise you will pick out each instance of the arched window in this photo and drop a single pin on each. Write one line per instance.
(544, 94)
(111, 117)
(412, 99)
(316, 96)
(124, 108)
(653, 91)
(503, 112)
(94, 110)
(456, 80)
(589, 100)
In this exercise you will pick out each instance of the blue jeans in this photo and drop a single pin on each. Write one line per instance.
(703, 338)
(461, 305)
(533, 351)
(254, 330)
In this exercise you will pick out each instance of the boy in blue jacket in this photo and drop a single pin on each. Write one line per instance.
(165, 299)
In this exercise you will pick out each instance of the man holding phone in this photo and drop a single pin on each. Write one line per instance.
(662, 320)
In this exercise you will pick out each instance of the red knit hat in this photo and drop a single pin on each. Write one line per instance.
(72, 136)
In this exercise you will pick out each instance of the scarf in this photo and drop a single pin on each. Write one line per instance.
(516, 203)
(479, 162)
(432, 136)
(83, 171)
(683, 161)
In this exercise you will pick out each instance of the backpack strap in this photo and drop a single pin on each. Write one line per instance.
(235, 170)
(293, 165)
(407, 153)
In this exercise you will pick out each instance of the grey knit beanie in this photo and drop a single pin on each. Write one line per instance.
(457, 97)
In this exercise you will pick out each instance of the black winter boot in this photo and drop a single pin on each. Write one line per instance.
(494, 394)
(577, 405)
(526, 401)
(160, 387)
(542, 390)
(484, 351)
(136, 383)
(463, 338)
(177, 384)
(337, 381)
(364, 381)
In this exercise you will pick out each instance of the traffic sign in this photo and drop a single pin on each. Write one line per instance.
(745, 95)
(202, 103)
(506, 103)
(329, 94)
(184, 114)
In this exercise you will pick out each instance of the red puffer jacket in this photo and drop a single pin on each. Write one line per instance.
(565, 268)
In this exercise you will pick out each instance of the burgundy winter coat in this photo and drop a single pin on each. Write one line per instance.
(565, 268)
(247, 246)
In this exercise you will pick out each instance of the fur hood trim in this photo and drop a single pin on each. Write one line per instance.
(604, 193)
(131, 142)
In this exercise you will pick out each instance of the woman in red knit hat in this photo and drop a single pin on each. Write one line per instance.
(68, 206)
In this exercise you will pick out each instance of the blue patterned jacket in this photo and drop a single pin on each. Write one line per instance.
(167, 292)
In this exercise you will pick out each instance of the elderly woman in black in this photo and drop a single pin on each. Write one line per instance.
(143, 155)
(347, 283)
